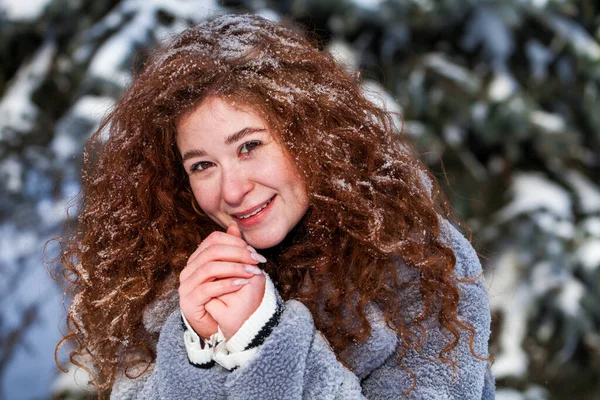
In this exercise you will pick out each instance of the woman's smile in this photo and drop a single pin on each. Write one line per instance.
(253, 216)
(239, 172)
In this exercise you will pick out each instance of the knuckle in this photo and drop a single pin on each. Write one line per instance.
(210, 235)
(192, 257)
(182, 275)
(221, 284)
(213, 237)
(210, 248)
(210, 267)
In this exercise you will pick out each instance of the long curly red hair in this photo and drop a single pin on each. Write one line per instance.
(373, 205)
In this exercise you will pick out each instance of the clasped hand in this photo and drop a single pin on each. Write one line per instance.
(221, 285)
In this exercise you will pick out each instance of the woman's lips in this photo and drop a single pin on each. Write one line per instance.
(251, 211)
(254, 217)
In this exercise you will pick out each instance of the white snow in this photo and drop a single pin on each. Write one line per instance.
(509, 394)
(514, 300)
(587, 193)
(571, 293)
(583, 43)
(533, 392)
(554, 225)
(479, 112)
(343, 54)
(269, 14)
(502, 86)
(15, 244)
(548, 122)
(514, 296)
(165, 33)
(377, 94)
(460, 75)
(544, 278)
(424, 5)
(533, 191)
(453, 135)
(23, 10)
(588, 254)
(17, 112)
(109, 62)
(53, 212)
(65, 146)
(414, 128)
(92, 108)
(539, 3)
(371, 5)
(74, 381)
(342, 184)
(11, 172)
(591, 226)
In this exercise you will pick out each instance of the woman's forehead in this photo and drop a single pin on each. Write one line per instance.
(223, 110)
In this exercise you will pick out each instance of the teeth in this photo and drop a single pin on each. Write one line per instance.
(255, 212)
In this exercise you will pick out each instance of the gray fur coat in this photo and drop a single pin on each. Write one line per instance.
(296, 362)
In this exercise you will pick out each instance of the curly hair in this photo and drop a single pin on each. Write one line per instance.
(373, 206)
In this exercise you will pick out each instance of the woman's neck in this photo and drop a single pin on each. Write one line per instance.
(296, 235)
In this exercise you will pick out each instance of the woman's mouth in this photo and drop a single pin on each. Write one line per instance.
(255, 215)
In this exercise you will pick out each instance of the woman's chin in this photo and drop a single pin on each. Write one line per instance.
(260, 242)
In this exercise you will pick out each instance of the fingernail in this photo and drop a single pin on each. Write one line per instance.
(253, 270)
(251, 249)
(258, 257)
(239, 282)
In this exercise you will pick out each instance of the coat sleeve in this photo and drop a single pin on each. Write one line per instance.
(172, 376)
(296, 362)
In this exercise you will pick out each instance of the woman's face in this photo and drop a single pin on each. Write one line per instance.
(239, 172)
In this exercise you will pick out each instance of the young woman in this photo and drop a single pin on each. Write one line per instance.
(254, 228)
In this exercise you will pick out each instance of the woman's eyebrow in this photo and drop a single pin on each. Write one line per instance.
(192, 154)
(234, 137)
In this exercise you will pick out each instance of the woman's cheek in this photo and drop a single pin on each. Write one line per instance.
(207, 196)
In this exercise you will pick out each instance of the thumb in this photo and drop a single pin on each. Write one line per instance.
(234, 230)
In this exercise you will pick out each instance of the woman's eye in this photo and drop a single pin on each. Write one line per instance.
(200, 166)
(249, 146)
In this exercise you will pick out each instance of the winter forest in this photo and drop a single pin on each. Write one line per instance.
(501, 98)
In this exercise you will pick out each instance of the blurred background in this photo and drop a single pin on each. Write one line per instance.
(502, 99)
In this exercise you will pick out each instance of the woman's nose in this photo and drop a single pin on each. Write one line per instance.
(235, 184)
